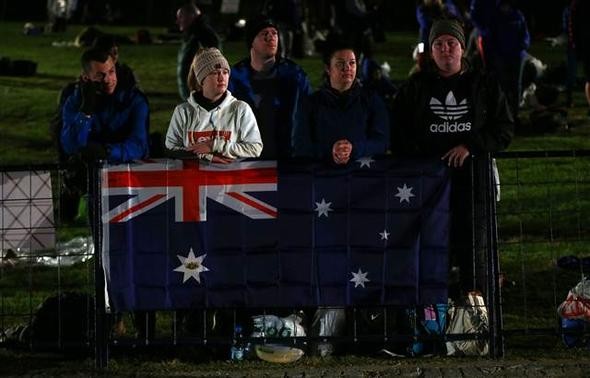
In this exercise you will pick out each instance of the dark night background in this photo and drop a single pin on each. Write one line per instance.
(543, 17)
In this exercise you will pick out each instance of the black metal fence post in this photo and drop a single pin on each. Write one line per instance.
(486, 248)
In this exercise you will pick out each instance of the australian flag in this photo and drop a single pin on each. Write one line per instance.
(182, 234)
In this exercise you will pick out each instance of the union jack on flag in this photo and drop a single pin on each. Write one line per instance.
(190, 184)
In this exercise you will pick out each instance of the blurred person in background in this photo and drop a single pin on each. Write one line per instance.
(196, 34)
(579, 37)
(59, 12)
(504, 43)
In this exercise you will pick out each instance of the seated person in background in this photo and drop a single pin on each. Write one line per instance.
(102, 120)
(342, 120)
(212, 124)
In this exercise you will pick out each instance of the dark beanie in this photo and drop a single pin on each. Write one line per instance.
(450, 27)
(255, 25)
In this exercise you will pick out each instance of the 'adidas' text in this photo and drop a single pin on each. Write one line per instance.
(446, 127)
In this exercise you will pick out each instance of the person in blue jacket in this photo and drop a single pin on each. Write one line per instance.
(105, 119)
(101, 120)
(427, 11)
(274, 87)
(342, 121)
(505, 41)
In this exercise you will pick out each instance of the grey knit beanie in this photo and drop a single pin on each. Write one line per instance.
(450, 27)
(206, 61)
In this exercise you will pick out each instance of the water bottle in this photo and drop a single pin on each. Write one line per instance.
(237, 350)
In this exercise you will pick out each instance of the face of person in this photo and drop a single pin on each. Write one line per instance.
(103, 73)
(266, 42)
(447, 52)
(342, 70)
(215, 84)
(184, 20)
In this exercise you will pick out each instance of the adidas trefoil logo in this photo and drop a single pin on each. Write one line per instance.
(449, 111)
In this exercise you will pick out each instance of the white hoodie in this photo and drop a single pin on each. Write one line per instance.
(231, 125)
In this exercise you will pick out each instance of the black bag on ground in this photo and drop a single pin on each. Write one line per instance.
(23, 68)
(66, 318)
(548, 120)
(9, 67)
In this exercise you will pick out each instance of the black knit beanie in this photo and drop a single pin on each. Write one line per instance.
(450, 27)
(255, 25)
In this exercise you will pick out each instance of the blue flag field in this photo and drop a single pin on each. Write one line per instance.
(181, 234)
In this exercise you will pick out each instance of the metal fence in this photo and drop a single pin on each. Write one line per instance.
(46, 256)
(542, 216)
(544, 234)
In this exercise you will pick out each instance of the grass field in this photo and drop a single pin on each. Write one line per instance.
(543, 214)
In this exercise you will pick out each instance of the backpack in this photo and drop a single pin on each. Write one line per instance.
(65, 318)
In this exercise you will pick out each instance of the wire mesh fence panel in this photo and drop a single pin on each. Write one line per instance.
(544, 233)
(46, 266)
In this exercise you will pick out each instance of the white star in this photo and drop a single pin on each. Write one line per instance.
(404, 193)
(191, 266)
(323, 208)
(365, 161)
(384, 235)
(359, 278)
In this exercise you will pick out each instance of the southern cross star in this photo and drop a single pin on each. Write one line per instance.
(191, 266)
(323, 208)
(404, 193)
(365, 161)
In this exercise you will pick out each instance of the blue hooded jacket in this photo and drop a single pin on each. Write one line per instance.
(358, 115)
(503, 29)
(121, 125)
(292, 87)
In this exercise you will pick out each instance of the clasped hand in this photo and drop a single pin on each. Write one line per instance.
(204, 148)
(341, 151)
